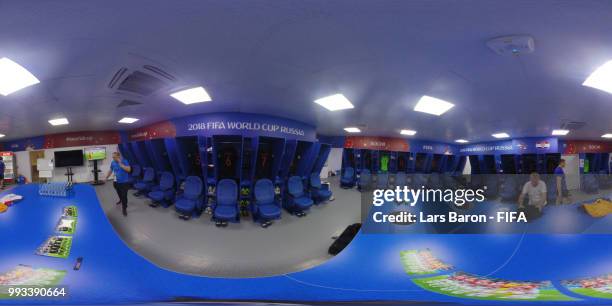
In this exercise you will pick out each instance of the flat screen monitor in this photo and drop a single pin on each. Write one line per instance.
(72, 158)
(95, 153)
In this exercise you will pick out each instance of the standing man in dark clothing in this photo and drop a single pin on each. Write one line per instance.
(121, 168)
(1, 173)
(560, 182)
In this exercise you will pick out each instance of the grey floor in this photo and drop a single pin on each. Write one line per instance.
(198, 247)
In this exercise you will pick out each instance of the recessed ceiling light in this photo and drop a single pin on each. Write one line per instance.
(501, 135)
(14, 77)
(58, 121)
(609, 135)
(408, 132)
(601, 78)
(2, 135)
(128, 120)
(560, 132)
(461, 141)
(192, 95)
(433, 106)
(335, 102)
(352, 129)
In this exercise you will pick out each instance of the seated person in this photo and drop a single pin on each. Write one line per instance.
(536, 190)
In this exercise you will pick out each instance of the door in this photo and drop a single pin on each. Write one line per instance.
(34, 156)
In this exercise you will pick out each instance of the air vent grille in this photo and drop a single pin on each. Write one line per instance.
(117, 77)
(160, 72)
(141, 83)
(573, 125)
(125, 103)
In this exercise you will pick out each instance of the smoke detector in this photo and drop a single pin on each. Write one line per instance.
(512, 45)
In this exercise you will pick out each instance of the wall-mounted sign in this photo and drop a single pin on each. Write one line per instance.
(76, 139)
(248, 125)
(586, 146)
(162, 129)
(377, 143)
(514, 146)
(419, 146)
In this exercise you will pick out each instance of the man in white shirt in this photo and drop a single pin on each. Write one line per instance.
(536, 189)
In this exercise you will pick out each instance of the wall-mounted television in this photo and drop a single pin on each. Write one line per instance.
(72, 158)
(97, 153)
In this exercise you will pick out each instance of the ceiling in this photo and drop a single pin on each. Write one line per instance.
(276, 57)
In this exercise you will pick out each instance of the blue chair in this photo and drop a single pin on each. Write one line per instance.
(146, 183)
(419, 180)
(265, 207)
(164, 193)
(491, 181)
(348, 178)
(604, 179)
(365, 180)
(450, 181)
(135, 174)
(297, 201)
(400, 179)
(509, 189)
(226, 208)
(590, 184)
(190, 201)
(382, 181)
(319, 192)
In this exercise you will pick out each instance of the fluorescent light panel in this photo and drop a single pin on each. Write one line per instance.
(14, 77)
(601, 78)
(501, 135)
(58, 121)
(335, 102)
(408, 132)
(352, 129)
(609, 135)
(2, 135)
(461, 141)
(560, 132)
(192, 95)
(434, 106)
(128, 120)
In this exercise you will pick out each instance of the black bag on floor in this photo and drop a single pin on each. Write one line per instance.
(345, 238)
(531, 212)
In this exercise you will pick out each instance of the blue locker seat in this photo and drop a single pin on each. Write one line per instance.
(265, 207)
(365, 180)
(477, 181)
(450, 182)
(319, 192)
(509, 190)
(135, 174)
(144, 186)
(382, 181)
(551, 188)
(348, 178)
(226, 208)
(491, 181)
(190, 201)
(400, 179)
(590, 183)
(419, 180)
(163, 193)
(604, 179)
(434, 182)
(298, 202)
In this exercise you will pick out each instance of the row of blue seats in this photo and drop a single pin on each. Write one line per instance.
(506, 187)
(592, 183)
(266, 206)
(383, 180)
